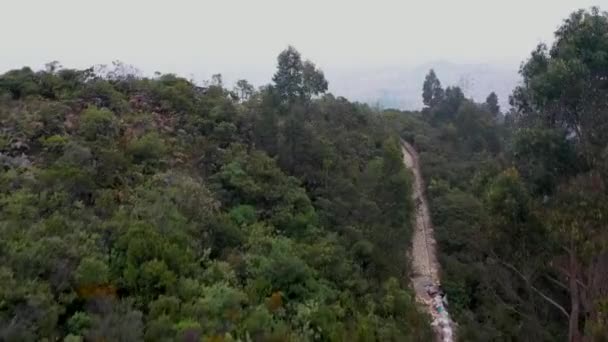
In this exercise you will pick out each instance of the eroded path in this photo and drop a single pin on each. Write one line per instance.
(425, 268)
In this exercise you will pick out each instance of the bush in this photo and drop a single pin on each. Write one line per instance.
(149, 148)
(98, 124)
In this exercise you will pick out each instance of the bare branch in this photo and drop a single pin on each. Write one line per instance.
(545, 297)
(557, 282)
(567, 274)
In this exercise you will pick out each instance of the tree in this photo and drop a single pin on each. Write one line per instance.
(492, 103)
(98, 124)
(563, 97)
(19, 83)
(288, 78)
(432, 93)
(566, 87)
(137, 208)
(476, 128)
(392, 195)
(578, 221)
(543, 157)
(147, 149)
(296, 80)
(448, 104)
(244, 90)
(216, 81)
(313, 81)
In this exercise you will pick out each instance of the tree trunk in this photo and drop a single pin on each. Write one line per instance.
(573, 327)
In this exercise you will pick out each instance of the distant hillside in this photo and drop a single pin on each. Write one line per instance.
(400, 87)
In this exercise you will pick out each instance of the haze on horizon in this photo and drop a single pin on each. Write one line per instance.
(242, 38)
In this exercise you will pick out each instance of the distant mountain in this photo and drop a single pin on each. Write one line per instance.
(401, 87)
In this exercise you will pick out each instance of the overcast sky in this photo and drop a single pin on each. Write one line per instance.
(200, 37)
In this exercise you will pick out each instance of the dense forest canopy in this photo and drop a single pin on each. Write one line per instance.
(152, 208)
(135, 208)
(519, 201)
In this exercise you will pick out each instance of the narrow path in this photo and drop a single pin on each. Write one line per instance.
(425, 268)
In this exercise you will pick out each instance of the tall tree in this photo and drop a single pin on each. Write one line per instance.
(313, 80)
(244, 90)
(492, 103)
(296, 80)
(446, 106)
(288, 78)
(564, 90)
(566, 87)
(432, 92)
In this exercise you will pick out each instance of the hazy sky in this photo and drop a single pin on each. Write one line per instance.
(232, 37)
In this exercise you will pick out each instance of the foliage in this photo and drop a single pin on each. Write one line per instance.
(297, 80)
(136, 208)
(432, 92)
(519, 205)
(492, 103)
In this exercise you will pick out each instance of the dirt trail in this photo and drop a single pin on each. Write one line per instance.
(425, 268)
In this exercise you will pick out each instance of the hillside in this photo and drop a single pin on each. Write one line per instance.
(152, 209)
(140, 208)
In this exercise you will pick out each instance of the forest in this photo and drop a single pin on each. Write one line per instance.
(136, 208)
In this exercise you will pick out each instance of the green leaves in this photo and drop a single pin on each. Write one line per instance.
(243, 214)
(153, 209)
(492, 103)
(432, 93)
(296, 80)
(565, 87)
(147, 150)
(278, 264)
(98, 125)
(19, 83)
(543, 156)
(92, 271)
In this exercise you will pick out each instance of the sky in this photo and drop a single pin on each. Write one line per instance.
(196, 38)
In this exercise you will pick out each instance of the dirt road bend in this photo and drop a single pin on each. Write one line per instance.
(423, 256)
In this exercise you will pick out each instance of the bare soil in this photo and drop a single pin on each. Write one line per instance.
(423, 256)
